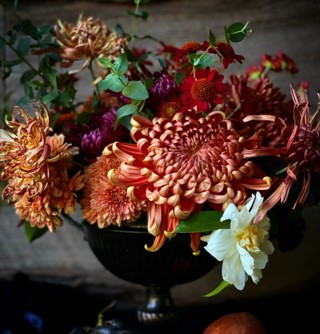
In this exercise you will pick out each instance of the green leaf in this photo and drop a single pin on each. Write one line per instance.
(218, 289)
(179, 77)
(23, 46)
(212, 38)
(237, 31)
(203, 221)
(28, 76)
(50, 96)
(105, 62)
(120, 65)
(162, 62)
(141, 14)
(204, 61)
(26, 79)
(49, 72)
(45, 29)
(148, 82)
(113, 82)
(33, 233)
(124, 114)
(135, 90)
(29, 29)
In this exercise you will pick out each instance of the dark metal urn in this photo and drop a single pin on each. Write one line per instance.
(121, 251)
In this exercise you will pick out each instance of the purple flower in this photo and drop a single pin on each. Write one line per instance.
(101, 133)
(164, 87)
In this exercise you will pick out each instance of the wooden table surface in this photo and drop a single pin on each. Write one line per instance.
(291, 26)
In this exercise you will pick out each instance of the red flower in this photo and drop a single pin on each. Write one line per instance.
(224, 51)
(202, 91)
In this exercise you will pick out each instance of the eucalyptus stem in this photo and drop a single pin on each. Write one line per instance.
(23, 59)
(94, 79)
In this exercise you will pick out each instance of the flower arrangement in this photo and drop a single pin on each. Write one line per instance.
(161, 132)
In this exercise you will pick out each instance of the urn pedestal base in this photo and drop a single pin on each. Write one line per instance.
(121, 251)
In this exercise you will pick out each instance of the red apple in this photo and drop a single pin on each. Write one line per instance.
(236, 323)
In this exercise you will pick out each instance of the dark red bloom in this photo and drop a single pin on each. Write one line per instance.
(224, 51)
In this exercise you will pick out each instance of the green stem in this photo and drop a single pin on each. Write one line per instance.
(20, 56)
(94, 78)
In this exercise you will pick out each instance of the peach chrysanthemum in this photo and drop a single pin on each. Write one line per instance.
(45, 208)
(36, 168)
(104, 203)
(182, 163)
(88, 40)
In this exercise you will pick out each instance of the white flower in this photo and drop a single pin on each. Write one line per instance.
(244, 248)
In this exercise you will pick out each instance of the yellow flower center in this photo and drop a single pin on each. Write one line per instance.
(202, 89)
(249, 239)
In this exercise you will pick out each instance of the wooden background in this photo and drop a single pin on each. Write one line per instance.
(291, 26)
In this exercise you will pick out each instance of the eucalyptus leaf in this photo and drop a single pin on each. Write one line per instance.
(29, 29)
(237, 31)
(105, 62)
(50, 96)
(120, 65)
(124, 114)
(204, 61)
(28, 76)
(212, 38)
(135, 90)
(179, 77)
(113, 82)
(49, 73)
(23, 46)
(141, 14)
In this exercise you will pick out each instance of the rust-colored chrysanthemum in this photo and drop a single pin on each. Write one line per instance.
(300, 154)
(104, 203)
(258, 97)
(180, 164)
(35, 166)
(87, 40)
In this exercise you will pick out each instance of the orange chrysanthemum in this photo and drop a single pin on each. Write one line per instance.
(180, 164)
(35, 166)
(104, 203)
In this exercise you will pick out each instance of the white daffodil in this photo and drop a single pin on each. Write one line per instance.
(244, 248)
